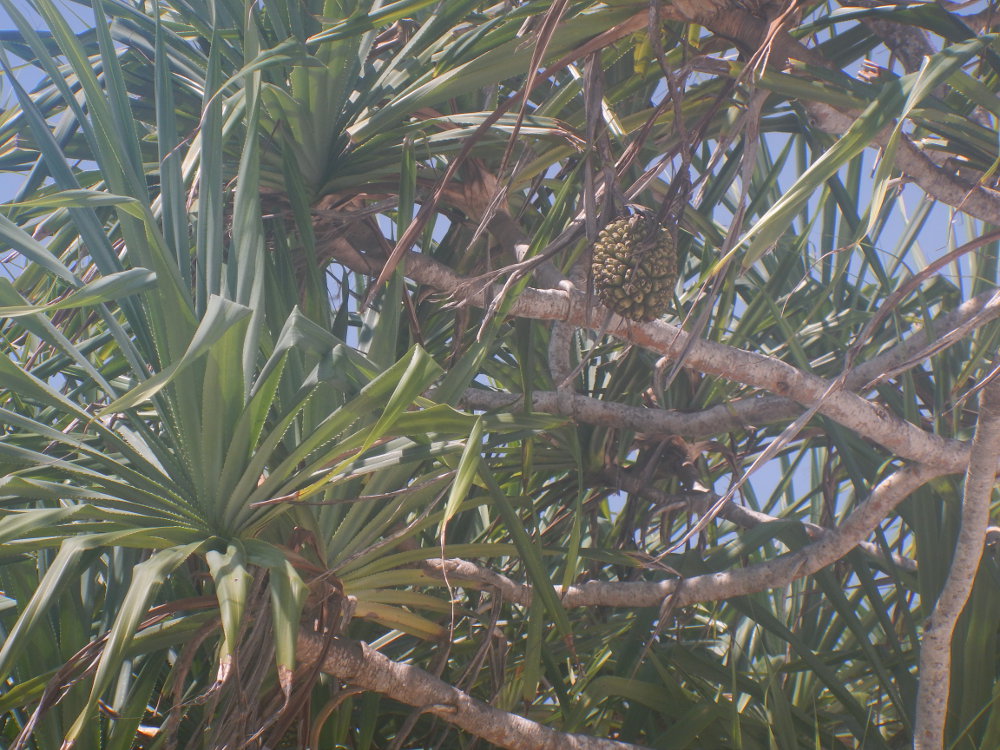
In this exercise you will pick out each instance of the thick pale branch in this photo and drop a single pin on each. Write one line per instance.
(745, 517)
(935, 646)
(949, 329)
(869, 420)
(909, 44)
(355, 663)
(746, 413)
(978, 201)
(731, 22)
(466, 573)
(781, 571)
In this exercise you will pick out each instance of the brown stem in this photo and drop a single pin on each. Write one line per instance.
(745, 517)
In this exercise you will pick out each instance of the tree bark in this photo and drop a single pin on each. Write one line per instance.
(356, 663)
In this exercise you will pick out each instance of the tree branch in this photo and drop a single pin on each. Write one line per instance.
(751, 32)
(869, 420)
(833, 545)
(908, 43)
(978, 201)
(460, 572)
(745, 413)
(949, 329)
(729, 417)
(356, 663)
(745, 517)
(935, 646)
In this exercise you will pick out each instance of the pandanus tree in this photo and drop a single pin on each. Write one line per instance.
(316, 434)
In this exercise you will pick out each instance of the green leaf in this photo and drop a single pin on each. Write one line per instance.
(65, 565)
(468, 467)
(220, 316)
(105, 289)
(82, 197)
(288, 595)
(232, 582)
(890, 104)
(529, 552)
(147, 577)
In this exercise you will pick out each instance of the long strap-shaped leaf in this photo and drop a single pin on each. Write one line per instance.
(232, 582)
(288, 595)
(105, 289)
(529, 550)
(219, 317)
(401, 383)
(147, 577)
(895, 99)
(65, 565)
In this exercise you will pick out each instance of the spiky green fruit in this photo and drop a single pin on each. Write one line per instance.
(635, 267)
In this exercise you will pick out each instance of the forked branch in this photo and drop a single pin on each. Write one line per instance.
(869, 420)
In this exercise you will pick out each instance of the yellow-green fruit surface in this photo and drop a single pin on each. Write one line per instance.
(635, 267)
